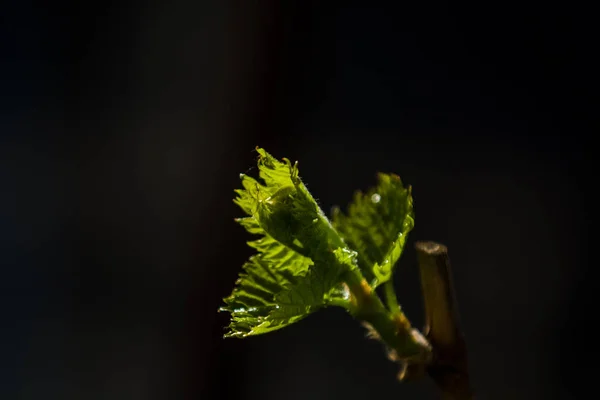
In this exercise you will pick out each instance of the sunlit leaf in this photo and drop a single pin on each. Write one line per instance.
(300, 257)
(376, 226)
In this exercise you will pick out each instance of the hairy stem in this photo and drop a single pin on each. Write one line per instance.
(393, 329)
(442, 326)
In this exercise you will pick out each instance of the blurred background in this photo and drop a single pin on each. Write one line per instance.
(124, 126)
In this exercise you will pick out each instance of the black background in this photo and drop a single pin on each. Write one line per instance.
(124, 127)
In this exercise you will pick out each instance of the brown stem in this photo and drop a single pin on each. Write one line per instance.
(442, 326)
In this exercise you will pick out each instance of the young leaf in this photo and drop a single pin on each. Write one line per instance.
(300, 259)
(317, 289)
(253, 299)
(377, 226)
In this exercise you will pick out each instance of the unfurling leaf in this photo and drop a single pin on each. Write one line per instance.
(377, 225)
(300, 258)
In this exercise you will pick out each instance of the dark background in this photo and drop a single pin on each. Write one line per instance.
(124, 127)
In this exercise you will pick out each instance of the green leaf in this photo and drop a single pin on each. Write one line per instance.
(377, 225)
(300, 257)
(265, 300)
(253, 299)
(282, 206)
(321, 286)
